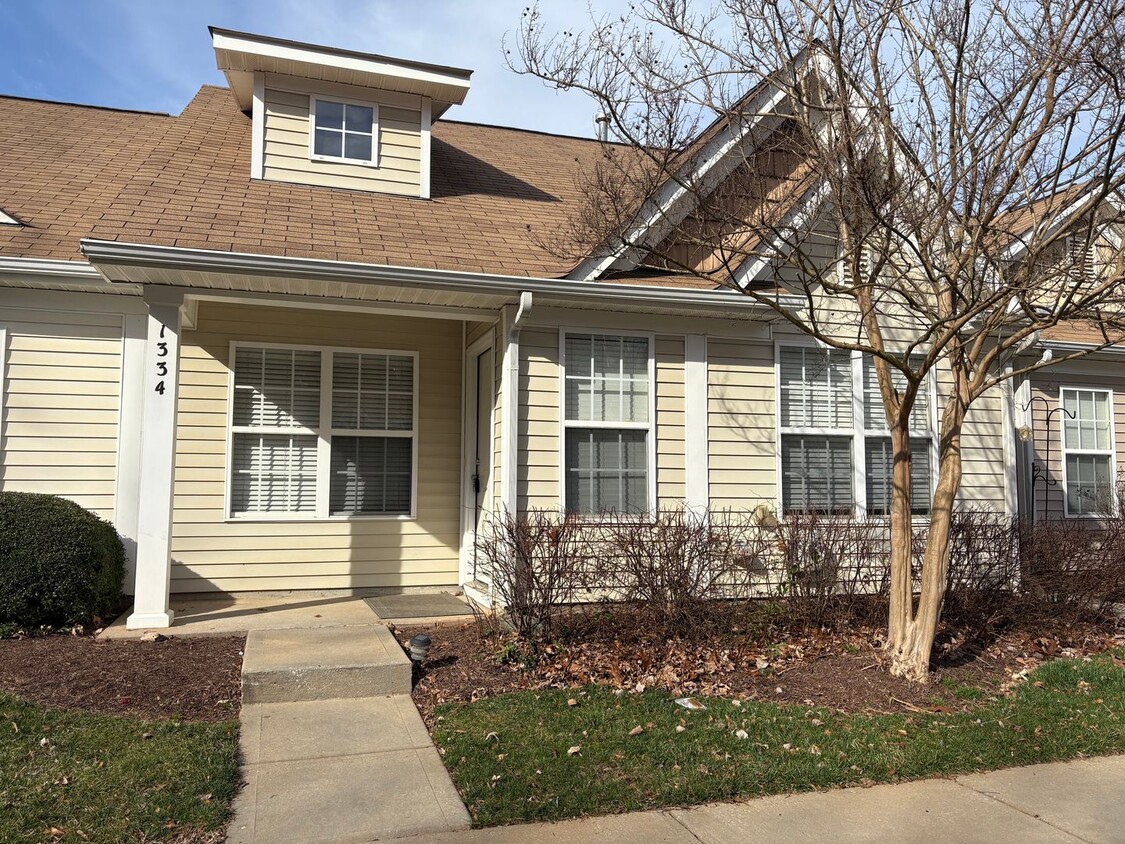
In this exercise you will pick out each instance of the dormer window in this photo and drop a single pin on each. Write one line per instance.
(344, 131)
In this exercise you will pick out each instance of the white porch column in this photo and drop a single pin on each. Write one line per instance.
(158, 454)
(128, 484)
(697, 495)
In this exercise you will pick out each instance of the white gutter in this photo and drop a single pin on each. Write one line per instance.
(509, 402)
(78, 270)
(116, 254)
(1092, 348)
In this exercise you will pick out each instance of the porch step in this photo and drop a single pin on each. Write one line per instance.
(326, 663)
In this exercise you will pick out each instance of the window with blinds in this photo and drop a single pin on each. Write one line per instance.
(815, 409)
(878, 457)
(607, 419)
(835, 449)
(1088, 452)
(321, 433)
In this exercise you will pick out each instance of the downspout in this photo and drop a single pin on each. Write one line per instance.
(509, 482)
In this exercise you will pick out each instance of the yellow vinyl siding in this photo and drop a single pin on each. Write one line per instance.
(62, 393)
(210, 552)
(669, 421)
(286, 158)
(538, 482)
(741, 424)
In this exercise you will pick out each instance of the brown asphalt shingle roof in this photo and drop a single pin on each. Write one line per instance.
(72, 172)
(60, 167)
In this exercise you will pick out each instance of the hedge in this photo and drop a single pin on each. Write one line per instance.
(60, 565)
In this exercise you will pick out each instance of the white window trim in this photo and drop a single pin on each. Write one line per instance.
(314, 100)
(3, 383)
(859, 432)
(649, 427)
(324, 434)
(1097, 452)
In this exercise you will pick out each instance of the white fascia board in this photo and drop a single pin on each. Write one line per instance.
(8, 220)
(110, 254)
(800, 216)
(659, 209)
(448, 85)
(1018, 246)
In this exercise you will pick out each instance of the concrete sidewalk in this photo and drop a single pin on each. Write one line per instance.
(1061, 803)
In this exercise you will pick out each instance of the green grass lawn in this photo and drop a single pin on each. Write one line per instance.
(509, 754)
(108, 778)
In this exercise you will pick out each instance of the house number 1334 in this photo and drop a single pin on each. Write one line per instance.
(161, 365)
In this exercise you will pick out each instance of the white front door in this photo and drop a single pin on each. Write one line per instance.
(482, 457)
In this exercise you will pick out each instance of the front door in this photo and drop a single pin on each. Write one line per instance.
(482, 448)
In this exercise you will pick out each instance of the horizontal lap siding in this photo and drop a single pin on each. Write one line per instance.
(982, 449)
(211, 553)
(286, 152)
(1047, 438)
(742, 468)
(62, 392)
(670, 421)
(539, 398)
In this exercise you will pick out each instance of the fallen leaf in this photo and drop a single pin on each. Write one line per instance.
(574, 750)
(572, 702)
(637, 730)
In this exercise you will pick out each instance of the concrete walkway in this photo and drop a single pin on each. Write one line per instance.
(1062, 803)
(333, 748)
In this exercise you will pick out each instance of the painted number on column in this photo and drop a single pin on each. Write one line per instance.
(161, 365)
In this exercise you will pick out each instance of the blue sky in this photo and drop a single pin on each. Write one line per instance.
(154, 54)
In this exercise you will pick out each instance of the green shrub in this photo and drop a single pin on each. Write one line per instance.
(59, 564)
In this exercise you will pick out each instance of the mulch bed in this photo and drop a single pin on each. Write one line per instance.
(839, 671)
(194, 679)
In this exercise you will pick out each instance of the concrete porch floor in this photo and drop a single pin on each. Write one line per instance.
(229, 614)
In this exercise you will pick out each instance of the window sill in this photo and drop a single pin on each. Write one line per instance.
(262, 518)
(332, 159)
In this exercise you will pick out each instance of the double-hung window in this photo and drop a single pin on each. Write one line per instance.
(607, 423)
(878, 456)
(836, 455)
(343, 131)
(1088, 452)
(320, 433)
(816, 429)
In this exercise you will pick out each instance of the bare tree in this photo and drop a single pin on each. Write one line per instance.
(957, 163)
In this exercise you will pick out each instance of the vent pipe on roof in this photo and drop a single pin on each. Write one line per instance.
(602, 121)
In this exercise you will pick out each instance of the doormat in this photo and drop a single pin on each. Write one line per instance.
(417, 606)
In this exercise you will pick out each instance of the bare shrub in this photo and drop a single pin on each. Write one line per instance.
(677, 560)
(1074, 564)
(983, 577)
(536, 561)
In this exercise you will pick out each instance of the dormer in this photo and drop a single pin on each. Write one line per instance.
(337, 118)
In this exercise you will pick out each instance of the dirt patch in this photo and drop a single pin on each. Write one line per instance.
(191, 679)
(844, 671)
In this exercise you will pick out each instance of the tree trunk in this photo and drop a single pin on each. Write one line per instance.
(911, 633)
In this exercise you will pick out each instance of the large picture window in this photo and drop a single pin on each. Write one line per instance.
(1088, 451)
(607, 423)
(318, 433)
(836, 452)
